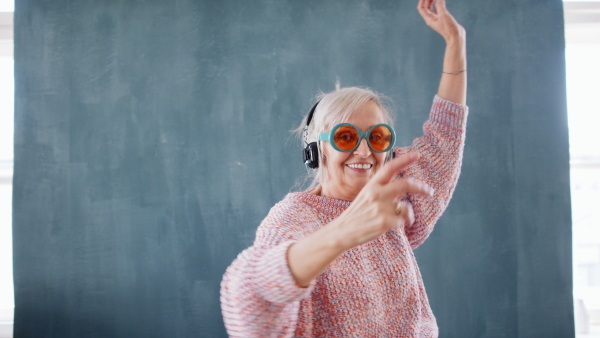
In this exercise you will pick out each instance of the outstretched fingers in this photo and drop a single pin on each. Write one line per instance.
(399, 188)
(391, 168)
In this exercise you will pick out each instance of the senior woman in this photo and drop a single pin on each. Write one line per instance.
(337, 259)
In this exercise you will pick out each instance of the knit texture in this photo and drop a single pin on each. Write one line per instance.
(372, 290)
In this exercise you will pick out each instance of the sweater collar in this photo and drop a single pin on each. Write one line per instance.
(320, 202)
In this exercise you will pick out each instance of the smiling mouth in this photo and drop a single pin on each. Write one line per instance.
(360, 166)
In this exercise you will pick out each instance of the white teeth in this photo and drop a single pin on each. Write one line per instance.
(360, 166)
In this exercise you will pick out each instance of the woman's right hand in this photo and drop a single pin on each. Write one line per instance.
(373, 212)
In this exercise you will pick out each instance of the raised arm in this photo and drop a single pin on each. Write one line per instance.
(441, 146)
(441, 149)
(453, 83)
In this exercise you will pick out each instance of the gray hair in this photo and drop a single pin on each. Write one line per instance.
(333, 108)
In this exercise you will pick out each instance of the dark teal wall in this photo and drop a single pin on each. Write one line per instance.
(151, 138)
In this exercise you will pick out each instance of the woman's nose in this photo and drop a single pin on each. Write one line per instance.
(363, 149)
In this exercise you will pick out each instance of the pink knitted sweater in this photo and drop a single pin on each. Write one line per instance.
(372, 290)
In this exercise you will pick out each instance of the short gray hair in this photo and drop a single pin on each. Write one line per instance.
(333, 108)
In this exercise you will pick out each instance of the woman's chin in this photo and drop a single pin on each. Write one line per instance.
(359, 183)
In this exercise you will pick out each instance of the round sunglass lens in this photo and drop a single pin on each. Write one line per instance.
(380, 138)
(345, 138)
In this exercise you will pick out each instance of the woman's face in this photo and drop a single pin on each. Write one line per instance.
(345, 174)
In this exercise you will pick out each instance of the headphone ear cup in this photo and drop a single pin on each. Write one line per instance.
(311, 155)
(390, 156)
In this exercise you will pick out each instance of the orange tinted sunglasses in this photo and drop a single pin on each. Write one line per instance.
(346, 137)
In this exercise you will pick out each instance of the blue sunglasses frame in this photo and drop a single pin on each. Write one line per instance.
(329, 136)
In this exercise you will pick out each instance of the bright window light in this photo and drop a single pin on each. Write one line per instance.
(7, 5)
(6, 108)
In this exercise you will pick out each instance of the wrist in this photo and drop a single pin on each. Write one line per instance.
(336, 241)
(456, 40)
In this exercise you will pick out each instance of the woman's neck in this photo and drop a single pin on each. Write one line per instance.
(322, 190)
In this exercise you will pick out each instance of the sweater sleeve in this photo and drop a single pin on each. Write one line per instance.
(259, 295)
(441, 150)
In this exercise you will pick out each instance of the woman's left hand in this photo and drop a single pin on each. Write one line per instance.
(440, 20)
(453, 84)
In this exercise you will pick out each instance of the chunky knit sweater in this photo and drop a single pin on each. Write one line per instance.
(372, 290)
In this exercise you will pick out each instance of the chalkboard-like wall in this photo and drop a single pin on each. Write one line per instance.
(152, 137)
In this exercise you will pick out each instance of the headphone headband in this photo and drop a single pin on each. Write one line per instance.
(311, 113)
(310, 155)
